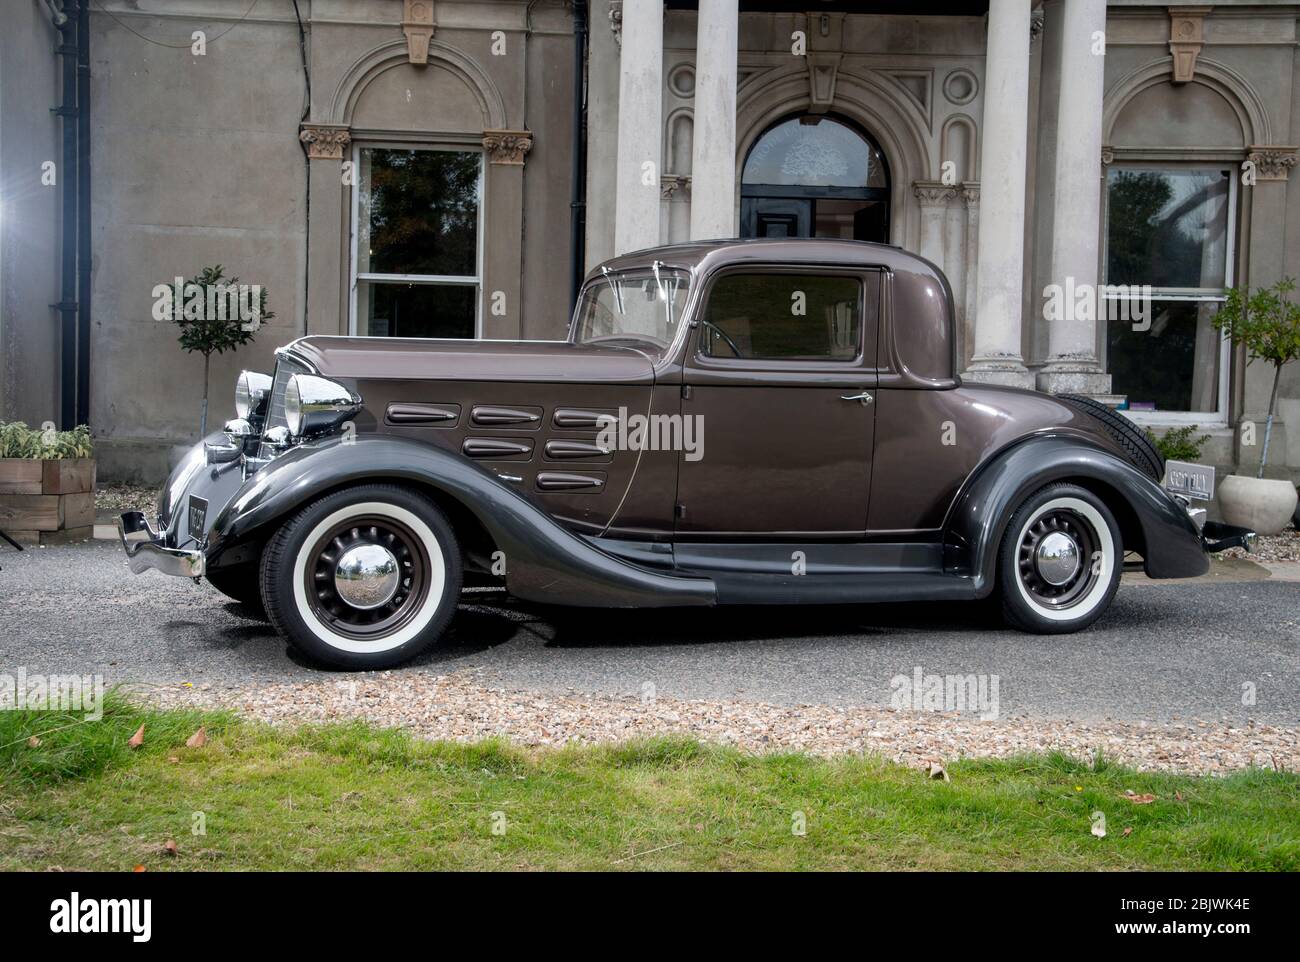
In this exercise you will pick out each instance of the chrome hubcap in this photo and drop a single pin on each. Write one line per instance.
(1057, 558)
(366, 576)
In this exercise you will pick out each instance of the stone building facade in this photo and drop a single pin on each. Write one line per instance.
(1036, 151)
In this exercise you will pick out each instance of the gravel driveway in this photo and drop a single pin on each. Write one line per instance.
(1170, 657)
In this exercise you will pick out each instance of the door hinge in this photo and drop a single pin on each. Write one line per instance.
(686, 392)
(680, 510)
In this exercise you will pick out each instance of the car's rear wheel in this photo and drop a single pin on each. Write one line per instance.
(1060, 561)
(365, 578)
(241, 583)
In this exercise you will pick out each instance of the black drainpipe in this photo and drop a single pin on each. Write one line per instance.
(83, 214)
(578, 185)
(67, 305)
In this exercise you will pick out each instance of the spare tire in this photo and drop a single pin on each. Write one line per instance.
(1132, 440)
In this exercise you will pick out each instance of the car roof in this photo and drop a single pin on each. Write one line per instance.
(696, 255)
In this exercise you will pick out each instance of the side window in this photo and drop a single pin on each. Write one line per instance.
(786, 317)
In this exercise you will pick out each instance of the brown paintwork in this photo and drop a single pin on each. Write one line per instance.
(785, 458)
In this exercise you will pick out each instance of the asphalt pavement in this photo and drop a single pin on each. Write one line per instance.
(1164, 651)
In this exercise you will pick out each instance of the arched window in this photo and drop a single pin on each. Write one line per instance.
(815, 176)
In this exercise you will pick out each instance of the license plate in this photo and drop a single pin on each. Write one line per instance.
(198, 517)
(1190, 480)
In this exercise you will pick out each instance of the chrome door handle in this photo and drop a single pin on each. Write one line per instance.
(865, 397)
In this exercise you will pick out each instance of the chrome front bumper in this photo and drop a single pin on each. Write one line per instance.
(146, 549)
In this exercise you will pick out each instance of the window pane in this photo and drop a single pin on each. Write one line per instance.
(818, 153)
(783, 317)
(1167, 228)
(633, 305)
(418, 212)
(850, 219)
(1174, 366)
(415, 310)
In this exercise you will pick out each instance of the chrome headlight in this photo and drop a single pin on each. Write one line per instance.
(251, 393)
(313, 405)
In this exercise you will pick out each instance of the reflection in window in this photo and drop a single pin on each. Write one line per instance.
(640, 306)
(416, 269)
(1169, 229)
(789, 317)
(824, 153)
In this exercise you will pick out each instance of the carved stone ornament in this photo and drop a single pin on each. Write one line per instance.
(1273, 163)
(1186, 36)
(933, 193)
(616, 20)
(507, 146)
(325, 142)
(670, 184)
(418, 24)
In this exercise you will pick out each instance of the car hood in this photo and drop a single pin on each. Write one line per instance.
(473, 360)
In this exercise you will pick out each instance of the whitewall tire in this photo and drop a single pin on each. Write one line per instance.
(365, 578)
(1060, 561)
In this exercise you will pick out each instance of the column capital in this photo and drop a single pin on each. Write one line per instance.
(325, 141)
(507, 147)
(933, 193)
(1273, 163)
(616, 20)
(970, 193)
(1037, 21)
(670, 184)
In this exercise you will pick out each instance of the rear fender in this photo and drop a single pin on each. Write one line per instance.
(544, 561)
(982, 510)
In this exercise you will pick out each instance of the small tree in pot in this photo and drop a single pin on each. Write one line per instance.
(215, 315)
(1267, 324)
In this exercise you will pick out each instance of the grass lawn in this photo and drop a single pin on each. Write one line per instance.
(354, 797)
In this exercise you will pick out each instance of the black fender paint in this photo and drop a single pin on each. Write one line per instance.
(544, 561)
(979, 516)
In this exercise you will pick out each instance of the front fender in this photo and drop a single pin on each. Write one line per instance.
(544, 561)
(975, 524)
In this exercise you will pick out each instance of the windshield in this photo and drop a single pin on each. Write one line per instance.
(641, 306)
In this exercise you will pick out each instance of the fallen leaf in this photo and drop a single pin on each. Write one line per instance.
(1145, 799)
(173, 759)
(170, 847)
(198, 739)
(1178, 796)
(33, 742)
(1128, 831)
(138, 738)
(138, 868)
(1078, 788)
(937, 771)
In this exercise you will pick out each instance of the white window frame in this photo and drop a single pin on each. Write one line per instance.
(1205, 419)
(453, 280)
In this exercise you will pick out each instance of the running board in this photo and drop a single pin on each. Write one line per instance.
(766, 589)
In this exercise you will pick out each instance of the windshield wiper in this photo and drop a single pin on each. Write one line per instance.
(618, 292)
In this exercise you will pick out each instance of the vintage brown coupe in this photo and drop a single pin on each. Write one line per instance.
(736, 422)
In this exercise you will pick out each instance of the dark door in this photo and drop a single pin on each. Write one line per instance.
(780, 377)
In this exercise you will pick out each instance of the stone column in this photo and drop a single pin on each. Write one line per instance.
(328, 277)
(713, 152)
(1000, 274)
(1072, 364)
(970, 198)
(501, 309)
(933, 197)
(640, 126)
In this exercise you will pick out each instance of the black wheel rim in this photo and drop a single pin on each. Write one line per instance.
(364, 624)
(1043, 582)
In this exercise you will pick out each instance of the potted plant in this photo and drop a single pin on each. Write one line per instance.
(215, 316)
(47, 483)
(1267, 324)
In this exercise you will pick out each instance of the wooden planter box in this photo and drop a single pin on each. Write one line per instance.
(47, 502)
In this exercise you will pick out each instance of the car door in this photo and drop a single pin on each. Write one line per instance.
(778, 384)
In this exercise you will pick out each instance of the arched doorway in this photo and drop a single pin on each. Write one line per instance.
(815, 175)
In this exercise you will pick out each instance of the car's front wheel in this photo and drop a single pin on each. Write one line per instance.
(1060, 561)
(365, 578)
